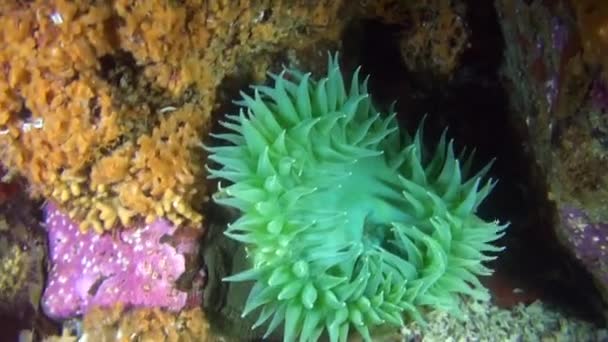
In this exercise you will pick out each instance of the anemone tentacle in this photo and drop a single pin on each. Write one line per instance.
(349, 222)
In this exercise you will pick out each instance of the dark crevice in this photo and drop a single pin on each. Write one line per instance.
(94, 111)
(118, 68)
(25, 114)
(474, 105)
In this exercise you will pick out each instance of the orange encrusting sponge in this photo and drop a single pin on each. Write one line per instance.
(103, 105)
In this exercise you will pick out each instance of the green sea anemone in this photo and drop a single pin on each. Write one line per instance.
(347, 222)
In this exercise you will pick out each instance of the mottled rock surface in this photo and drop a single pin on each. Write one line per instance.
(554, 71)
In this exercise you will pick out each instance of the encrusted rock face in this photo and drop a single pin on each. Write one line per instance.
(432, 35)
(103, 104)
(587, 239)
(22, 255)
(137, 267)
(144, 324)
(147, 325)
(556, 78)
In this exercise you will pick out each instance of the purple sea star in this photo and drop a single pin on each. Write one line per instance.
(135, 267)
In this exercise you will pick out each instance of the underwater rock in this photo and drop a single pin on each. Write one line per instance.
(432, 35)
(482, 321)
(22, 253)
(146, 325)
(587, 239)
(552, 71)
(138, 267)
(103, 103)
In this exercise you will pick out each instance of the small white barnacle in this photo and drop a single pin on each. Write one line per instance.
(56, 18)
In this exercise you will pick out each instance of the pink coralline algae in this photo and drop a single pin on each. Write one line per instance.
(136, 267)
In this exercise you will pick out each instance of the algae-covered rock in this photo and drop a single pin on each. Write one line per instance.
(22, 263)
(485, 322)
(553, 62)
